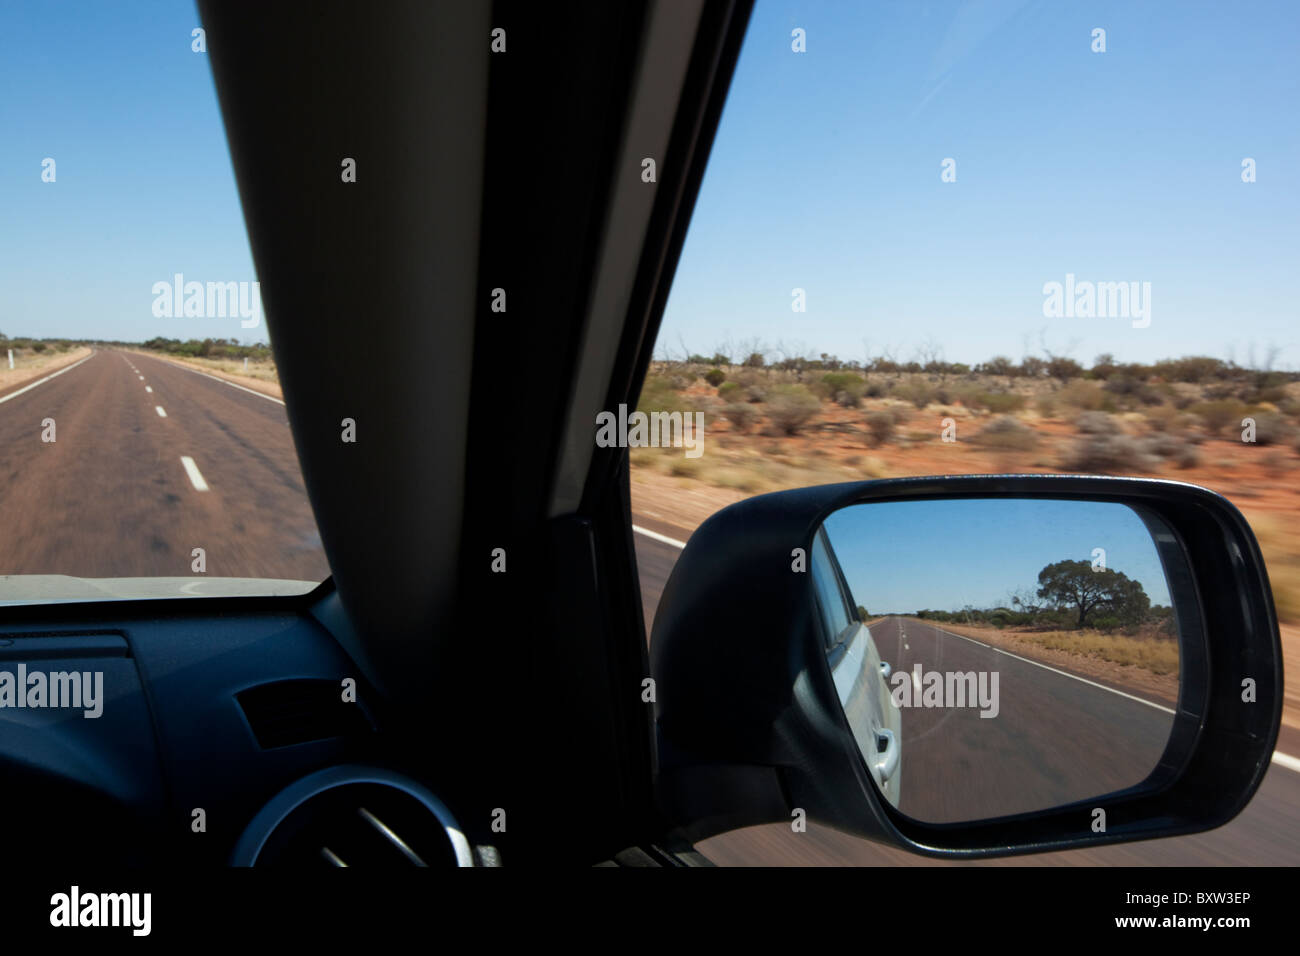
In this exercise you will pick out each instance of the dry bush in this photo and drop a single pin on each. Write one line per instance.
(918, 393)
(1109, 454)
(1085, 396)
(1219, 414)
(1271, 428)
(790, 407)
(881, 426)
(741, 415)
(1006, 434)
(1098, 423)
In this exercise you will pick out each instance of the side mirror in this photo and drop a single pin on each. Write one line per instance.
(968, 666)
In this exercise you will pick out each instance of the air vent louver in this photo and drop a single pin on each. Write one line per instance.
(359, 824)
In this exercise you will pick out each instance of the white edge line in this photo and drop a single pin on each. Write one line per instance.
(42, 381)
(250, 391)
(196, 477)
(1284, 760)
(1082, 680)
(656, 536)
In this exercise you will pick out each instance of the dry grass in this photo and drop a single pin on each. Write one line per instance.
(1160, 656)
(1281, 549)
(262, 371)
(752, 472)
(29, 365)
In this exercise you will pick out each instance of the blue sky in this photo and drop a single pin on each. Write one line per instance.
(113, 93)
(1115, 166)
(943, 555)
(1119, 166)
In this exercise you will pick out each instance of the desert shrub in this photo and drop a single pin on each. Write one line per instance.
(730, 391)
(715, 377)
(1188, 456)
(741, 415)
(658, 394)
(1131, 391)
(1173, 448)
(1193, 368)
(790, 407)
(1097, 423)
(1218, 415)
(999, 403)
(1085, 396)
(1047, 404)
(1063, 369)
(1162, 417)
(1006, 434)
(1254, 395)
(841, 381)
(1114, 454)
(1271, 428)
(918, 393)
(998, 365)
(881, 426)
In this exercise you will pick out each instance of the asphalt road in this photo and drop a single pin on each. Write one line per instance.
(241, 499)
(1060, 739)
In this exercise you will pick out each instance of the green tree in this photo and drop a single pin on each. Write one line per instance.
(1105, 592)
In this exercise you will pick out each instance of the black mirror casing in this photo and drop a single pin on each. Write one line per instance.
(750, 729)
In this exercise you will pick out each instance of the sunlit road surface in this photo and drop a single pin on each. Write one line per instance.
(1266, 833)
(150, 461)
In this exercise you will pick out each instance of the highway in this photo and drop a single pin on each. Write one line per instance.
(185, 460)
(1053, 735)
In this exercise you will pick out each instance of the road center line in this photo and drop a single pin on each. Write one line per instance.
(196, 477)
(148, 388)
(159, 410)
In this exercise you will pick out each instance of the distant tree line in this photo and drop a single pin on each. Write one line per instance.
(210, 348)
(1070, 595)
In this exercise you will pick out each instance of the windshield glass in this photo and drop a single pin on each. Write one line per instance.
(144, 446)
(944, 238)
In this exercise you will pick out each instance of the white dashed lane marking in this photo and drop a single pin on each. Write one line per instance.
(196, 477)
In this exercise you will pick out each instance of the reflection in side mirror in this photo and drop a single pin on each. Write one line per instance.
(999, 656)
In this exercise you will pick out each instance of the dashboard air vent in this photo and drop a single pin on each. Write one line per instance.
(298, 711)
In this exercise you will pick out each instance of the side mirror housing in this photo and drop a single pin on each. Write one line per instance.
(766, 707)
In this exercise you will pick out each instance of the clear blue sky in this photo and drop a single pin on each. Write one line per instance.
(113, 93)
(943, 555)
(1115, 166)
(825, 176)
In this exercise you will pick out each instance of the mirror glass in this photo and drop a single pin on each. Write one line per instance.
(999, 656)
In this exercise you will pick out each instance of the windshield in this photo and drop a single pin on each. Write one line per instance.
(144, 445)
